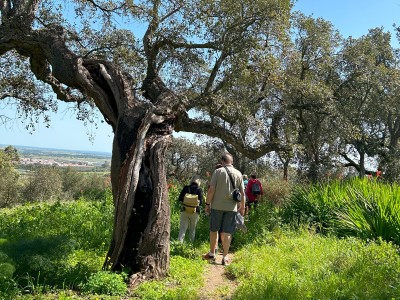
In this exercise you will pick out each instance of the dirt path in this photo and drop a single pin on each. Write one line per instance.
(216, 284)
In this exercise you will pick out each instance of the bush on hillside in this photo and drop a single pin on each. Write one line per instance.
(43, 183)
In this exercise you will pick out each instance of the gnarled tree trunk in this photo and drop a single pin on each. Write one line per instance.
(141, 231)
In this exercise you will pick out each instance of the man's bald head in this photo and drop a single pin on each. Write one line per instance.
(227, 158)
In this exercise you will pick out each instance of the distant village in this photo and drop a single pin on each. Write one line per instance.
(53, 162)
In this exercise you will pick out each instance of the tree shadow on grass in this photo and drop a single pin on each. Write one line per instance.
(43, 261)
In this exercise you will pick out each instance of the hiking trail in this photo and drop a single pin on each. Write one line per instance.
(217, 285)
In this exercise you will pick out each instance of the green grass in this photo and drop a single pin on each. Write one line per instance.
(184, 281)
(304, 266)
(55, 245)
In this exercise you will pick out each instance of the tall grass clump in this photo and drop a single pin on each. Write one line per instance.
(365, 208)
(309, 266)
(371, 210)
(314, 205)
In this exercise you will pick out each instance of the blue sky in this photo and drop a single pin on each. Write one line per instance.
(350, 17)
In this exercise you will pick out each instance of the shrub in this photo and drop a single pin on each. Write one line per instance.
(8, 287)
(44, 183)
(9, 187)
(107, 283)
(71, 182)
(276, 190)
(93, 186)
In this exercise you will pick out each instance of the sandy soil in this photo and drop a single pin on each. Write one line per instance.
(216, 284)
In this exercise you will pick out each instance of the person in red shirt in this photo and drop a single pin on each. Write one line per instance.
(254, 191)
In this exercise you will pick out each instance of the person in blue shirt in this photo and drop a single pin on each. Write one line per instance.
(245, 180)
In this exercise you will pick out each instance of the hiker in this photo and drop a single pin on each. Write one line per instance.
(222, 207)
(254, 191)
(245, 181)
(191, 198)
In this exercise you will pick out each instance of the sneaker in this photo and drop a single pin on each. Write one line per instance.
(226, 261)
(209, 257)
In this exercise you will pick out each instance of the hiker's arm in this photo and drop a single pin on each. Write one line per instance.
(182, 194)
(243, 201)
(200, 194)
(210, 195)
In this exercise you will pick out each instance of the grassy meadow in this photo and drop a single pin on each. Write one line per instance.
(328, 241)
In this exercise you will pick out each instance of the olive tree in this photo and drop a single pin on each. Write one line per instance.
(149, 68)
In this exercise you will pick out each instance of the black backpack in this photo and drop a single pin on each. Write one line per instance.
(256, 188)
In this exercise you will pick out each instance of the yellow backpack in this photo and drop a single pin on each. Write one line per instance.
(190, 202)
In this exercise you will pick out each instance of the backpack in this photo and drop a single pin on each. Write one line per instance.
(190, 202)
(256, 188)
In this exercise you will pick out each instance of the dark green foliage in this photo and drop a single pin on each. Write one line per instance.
(9, 186)
(44, 183)
(8, 287)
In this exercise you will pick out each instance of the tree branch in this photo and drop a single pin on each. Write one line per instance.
(175, 10)
(184, 123)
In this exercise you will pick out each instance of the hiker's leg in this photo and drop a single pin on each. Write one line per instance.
(213, 240)
(192, 226)
(183, 226)
(216, 218)
(228, 227)
(220, 239)
(226, 242)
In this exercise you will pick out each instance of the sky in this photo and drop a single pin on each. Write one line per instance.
(349, 17)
